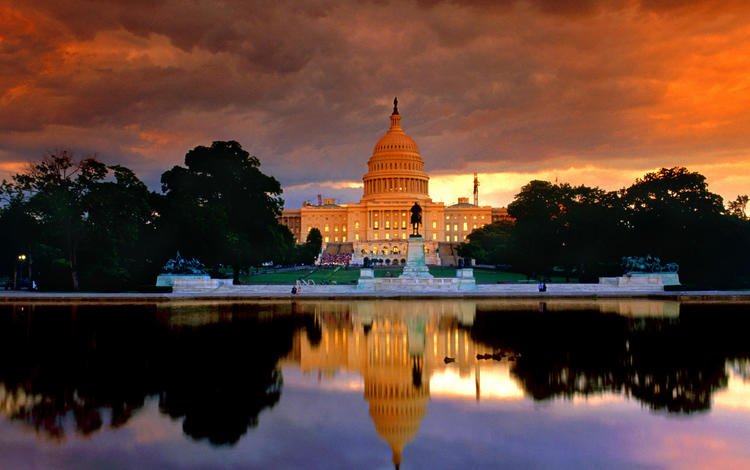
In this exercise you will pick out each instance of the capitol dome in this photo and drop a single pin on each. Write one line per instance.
(395, 169)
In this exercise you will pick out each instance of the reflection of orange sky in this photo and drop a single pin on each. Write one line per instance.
(735, 397)
(496, 384)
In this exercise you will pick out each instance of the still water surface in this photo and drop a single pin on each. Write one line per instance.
(373, 384)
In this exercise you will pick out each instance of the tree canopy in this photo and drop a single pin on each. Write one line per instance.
(222, 209)
(67, 211)
(584, 232)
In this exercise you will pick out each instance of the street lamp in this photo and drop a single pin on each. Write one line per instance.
(19, 269)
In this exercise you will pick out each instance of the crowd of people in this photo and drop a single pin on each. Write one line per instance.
(337, 259)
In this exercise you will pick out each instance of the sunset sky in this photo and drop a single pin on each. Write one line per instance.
(580, 91)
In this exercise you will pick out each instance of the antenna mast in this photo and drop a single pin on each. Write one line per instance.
(476, 190)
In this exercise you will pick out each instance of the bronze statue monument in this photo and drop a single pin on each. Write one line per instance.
(416, 219)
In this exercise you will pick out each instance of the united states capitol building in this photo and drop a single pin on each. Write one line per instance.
(378, 226)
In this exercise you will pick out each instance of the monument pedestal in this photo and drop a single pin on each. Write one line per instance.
(416, 276)
(415, 267)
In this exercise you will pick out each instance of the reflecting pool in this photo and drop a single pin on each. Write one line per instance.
(376, 384)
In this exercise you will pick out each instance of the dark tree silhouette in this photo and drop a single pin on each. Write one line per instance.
(221, 209)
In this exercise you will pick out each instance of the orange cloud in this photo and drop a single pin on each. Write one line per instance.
(588, 92)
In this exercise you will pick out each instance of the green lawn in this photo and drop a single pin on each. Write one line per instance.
(332, 275)
(482, 276)
(350, 276)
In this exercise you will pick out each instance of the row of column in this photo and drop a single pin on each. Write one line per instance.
(409, 185)
(393, 216)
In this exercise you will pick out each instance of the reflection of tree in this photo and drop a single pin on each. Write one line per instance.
(65, 361)
(669, 364)
(73, 361)
(223, 375)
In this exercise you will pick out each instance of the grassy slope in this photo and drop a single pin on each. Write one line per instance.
(349, 276)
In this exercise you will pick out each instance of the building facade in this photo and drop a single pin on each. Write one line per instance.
(378, 226)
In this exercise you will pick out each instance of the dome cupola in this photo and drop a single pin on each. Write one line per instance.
(395, 169)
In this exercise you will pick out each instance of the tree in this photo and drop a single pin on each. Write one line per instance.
(490, 244)
(54, 192)
(221, 208)
(671, 214)
(309, 251)
(119, 219)
(591, 232)
(20, 232)
(576, 230)
(738, 206)
(536, 239)
(73, 218)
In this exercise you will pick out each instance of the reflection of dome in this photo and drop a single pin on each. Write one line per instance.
(396, 169)
(397, 411)
(394, 385)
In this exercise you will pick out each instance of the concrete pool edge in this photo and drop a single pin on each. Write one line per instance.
(279, 295)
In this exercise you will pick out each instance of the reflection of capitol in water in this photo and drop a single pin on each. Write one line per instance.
(397, 346)
(400, 350)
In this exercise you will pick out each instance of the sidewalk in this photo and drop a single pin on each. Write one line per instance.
(334, 292)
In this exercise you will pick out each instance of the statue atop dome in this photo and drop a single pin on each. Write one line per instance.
(395, 105)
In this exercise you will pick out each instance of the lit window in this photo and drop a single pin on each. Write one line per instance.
(387, 236)
(343, 239)
(336, 239)
(434, 236)
(447, 217)
(482, 217)
(455, 227)
(466, 226)
(447, 238)
(356, 224)
(335, 228)
(343, 228)
(474, 226)
(375, 225)
(447, 227)
(375, 235)
(387, 224)
(356, 236)
(475, 217)
(403, 224)
(455, 238)
(403, 214)
(326, 228)
(434, 224)
(403, 235)
(326, 239)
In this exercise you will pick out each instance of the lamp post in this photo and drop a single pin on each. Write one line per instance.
(19, 268)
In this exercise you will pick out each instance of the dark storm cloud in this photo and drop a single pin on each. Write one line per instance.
(307, 86)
